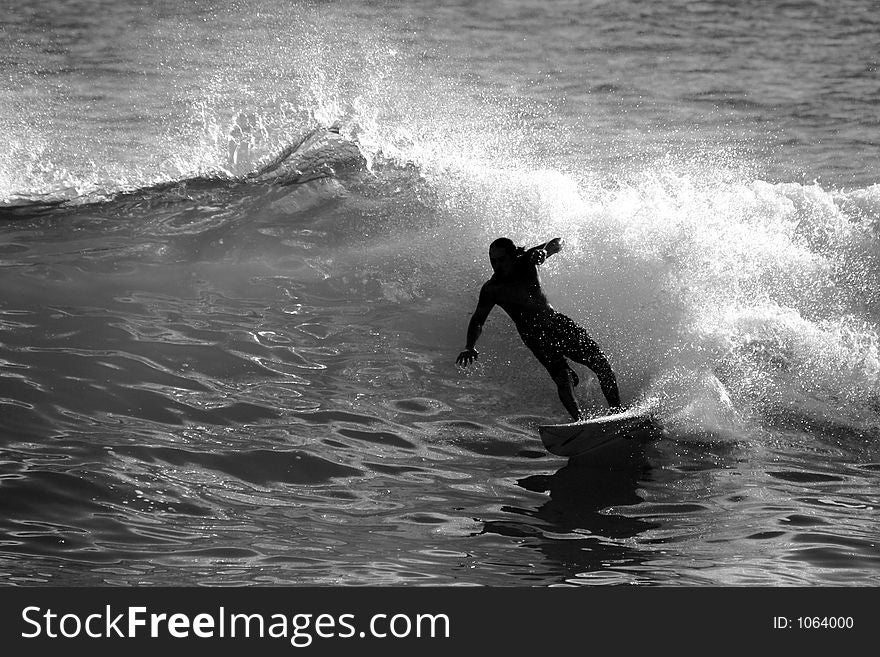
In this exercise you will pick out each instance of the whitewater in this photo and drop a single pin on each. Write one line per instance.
(239, 249)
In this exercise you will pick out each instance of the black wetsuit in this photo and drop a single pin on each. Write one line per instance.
(551, 336)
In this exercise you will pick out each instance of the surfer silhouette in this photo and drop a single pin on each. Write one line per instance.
(551, 336)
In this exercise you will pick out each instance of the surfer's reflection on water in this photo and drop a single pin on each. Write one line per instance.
(574, 527)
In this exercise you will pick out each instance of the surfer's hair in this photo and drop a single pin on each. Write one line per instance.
(507, 244)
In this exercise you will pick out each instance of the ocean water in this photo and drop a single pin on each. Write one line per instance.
(228, 332)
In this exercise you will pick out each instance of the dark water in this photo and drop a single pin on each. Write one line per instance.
(211, 376)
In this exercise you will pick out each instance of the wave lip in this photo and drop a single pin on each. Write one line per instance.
(319, 154)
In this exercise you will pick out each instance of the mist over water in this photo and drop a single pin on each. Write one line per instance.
(219, 378)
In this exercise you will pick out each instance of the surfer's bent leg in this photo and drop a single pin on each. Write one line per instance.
(563, 376)
(581, 348)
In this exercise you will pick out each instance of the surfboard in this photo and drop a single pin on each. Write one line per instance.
(587, 436)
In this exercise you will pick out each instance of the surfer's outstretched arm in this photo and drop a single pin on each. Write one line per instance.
(475, 328)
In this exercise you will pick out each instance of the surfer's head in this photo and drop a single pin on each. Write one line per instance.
(502, 255)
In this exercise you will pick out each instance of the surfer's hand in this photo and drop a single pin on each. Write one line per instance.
(554, 245)
(538, 256)
(467, 357)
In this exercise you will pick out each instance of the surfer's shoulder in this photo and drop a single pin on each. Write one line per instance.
(489, 291)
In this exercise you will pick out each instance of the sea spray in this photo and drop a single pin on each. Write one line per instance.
(740, 295)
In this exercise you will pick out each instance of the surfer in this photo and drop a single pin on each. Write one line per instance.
(551, 336)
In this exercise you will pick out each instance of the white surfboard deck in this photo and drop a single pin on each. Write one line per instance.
(578, 438)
